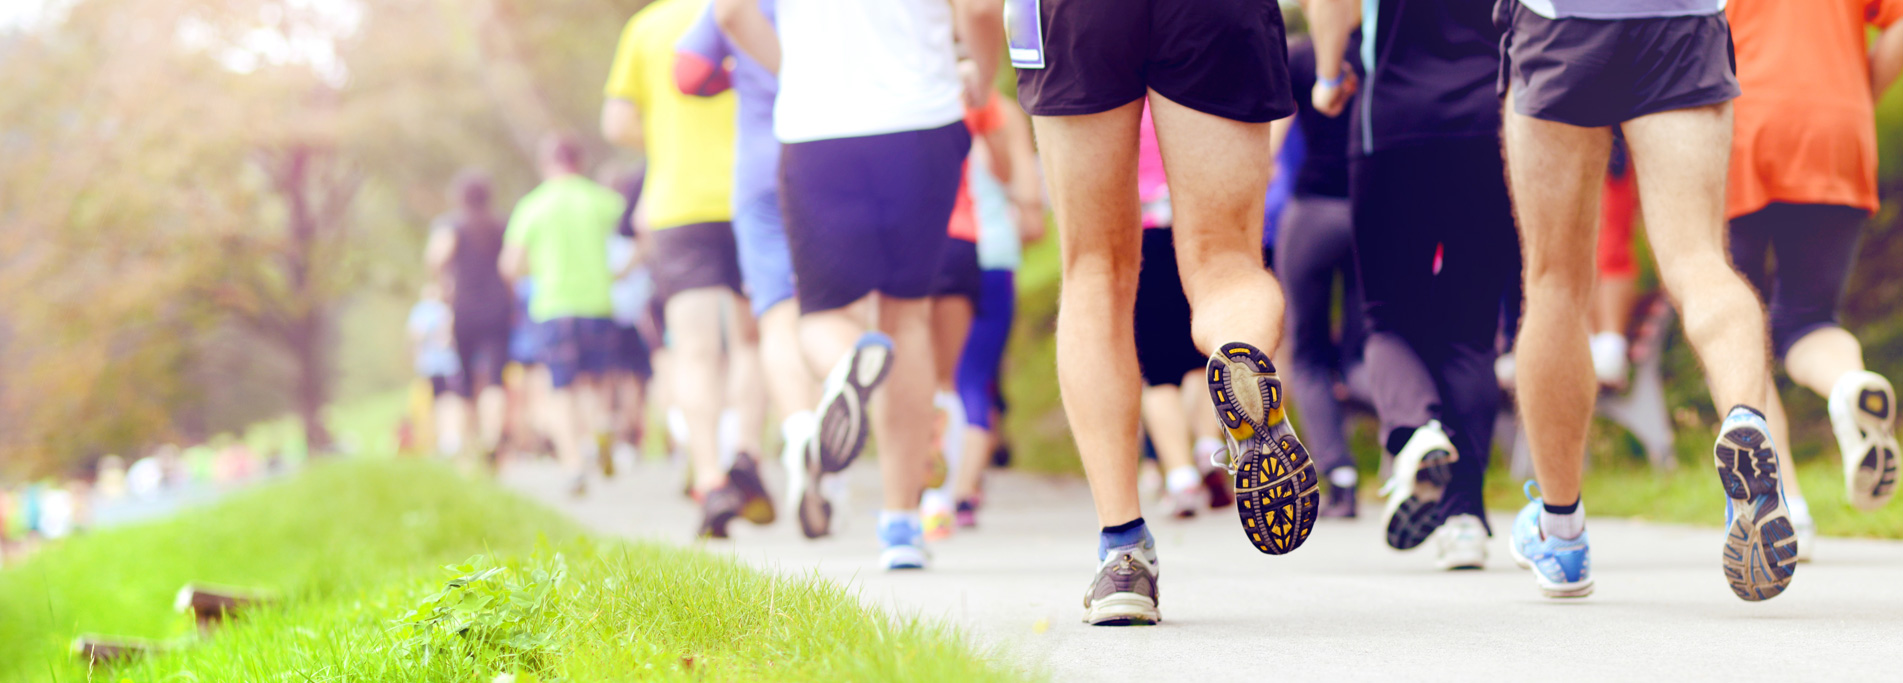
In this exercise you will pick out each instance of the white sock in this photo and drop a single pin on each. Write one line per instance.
(1183, 479)
(1609, 356)
(1344, 477)
(1566, 527)
(677, 426)
(729, 437)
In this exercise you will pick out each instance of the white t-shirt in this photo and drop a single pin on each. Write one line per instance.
(856, 68)
(1622, 9)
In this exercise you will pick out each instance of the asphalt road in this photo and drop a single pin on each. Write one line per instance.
(1343, 607)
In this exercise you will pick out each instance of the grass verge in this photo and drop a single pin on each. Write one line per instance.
(356, 549)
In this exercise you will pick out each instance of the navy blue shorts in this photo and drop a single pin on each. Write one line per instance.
(869, 214)
(577, 346)
(958, 273)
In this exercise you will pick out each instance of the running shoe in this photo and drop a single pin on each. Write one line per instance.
(719, 508)
(843, 410)
(903, 542)
(1183, 504)
(605, 455)
(1760, 543)
(935, 511)
(1461, 543)
(1277, 491)
(578, 484)
(1561, 567)
(1124, 591)
(967, 513)
(801, 462)
(1341, 503)
(756, 507)
(1806, 529)
(1421, 472)
(1863, 414)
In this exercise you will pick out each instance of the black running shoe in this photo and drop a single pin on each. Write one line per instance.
(718, 509)
(1341, 503)
(1277, 491)
(745, 476)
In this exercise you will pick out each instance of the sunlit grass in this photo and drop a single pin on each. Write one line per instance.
(353, 546)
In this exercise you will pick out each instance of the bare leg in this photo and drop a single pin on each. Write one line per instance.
(1780, 423)
(746, 390)
(1163, 416)
(1612, 302)
(788, 378)
(902, 412)
(1555, 172)
(1822, 357)
(971, 465)
(565, 428)
(951, 323)
(1090, 163)
(693, 318)
(1681, 157)
(1217, 172)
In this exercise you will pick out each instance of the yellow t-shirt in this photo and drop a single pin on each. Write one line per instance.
(689, 139)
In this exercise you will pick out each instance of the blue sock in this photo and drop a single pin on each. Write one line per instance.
(1133, 532)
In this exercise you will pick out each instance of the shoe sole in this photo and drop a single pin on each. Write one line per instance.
(1420, 514)
(1760, 552)
(1122, 609)
(1278, 494)
(1870, 465)
(902, 558)
(815, 512)
(843, 421)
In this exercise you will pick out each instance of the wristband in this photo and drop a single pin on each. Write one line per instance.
(1332, 82)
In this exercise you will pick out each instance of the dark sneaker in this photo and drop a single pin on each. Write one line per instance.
(1421, 472)
(718, 509)
(843, 410)
(966, 513)
(1124, 591)
(1341, 503)
(1277, 491)
(1760, 542)
(745, 476)
(1220, 493)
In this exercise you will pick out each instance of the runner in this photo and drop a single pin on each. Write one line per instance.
(1661, 71)
(1008, 218)
(430, 325)
(464, 246)
(1313, 246)
(1617, 290)
(1166, 349)
(1085, 73)
(868, 178)
(632, 366)
(559, 233)
(1803, 182)
(1434, 243)
(687, 212)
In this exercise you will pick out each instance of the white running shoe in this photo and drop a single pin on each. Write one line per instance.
(1421, 472)
(1863, 415)
(1461, 543)
(1806, 529)
(1609, 361)
(844, 410)
(800, 459)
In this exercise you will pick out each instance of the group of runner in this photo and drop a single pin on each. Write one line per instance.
(833, 200)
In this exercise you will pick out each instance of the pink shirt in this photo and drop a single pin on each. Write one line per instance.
(1153, 188)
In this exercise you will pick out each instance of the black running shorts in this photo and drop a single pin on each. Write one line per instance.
(1227, 58)
(1594, 73)
(695, 256)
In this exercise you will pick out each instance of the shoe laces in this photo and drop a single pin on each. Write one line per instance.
(1225, 457)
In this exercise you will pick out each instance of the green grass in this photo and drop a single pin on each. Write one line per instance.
(354, 546)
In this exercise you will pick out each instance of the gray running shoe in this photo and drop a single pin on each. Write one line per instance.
(1124, 592)
(844, 409)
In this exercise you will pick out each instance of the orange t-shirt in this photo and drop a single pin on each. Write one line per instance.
(1805, 128)
(964, 218)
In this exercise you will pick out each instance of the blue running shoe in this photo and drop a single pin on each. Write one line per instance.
(1563, 568)
(904, 540)
(1760, 542)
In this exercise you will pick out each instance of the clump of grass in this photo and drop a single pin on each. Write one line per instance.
(357, 550)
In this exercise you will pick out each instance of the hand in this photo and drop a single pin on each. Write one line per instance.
(1331, 99)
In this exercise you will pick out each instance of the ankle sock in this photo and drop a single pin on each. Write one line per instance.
(1183, 479)
(1344, 477)
(1563, 521)
(1748, 409)
(1133, 532)
(900, 526)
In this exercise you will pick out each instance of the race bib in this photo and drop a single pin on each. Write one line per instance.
(1024, 33)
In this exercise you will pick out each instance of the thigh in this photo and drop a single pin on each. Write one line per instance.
(1227, 58)
(1090, 166)
(1555, 172)
(1093, 57)
(1681, 157)
(1816, 246)
(1306, 263)
(1217, 179)
(917, 191)
(832, 225)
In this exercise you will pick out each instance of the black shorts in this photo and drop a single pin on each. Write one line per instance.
(1228, 58)
(693, 256)
(632, 353)
(439, 385)
(1816, 246)
(484, 350)
(1596, 73)
(958, 273)
(577, 347)
(1165, 349)
(869, 214)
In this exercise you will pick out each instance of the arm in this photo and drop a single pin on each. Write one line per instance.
(1278, 135)
(981, 25)
(1886, 59)
(621, 124)
(1330, 22)
(514, 262)
(1015, 151)
(750, 31)
(436, 252)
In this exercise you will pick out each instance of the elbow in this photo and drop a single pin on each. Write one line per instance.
(729, 15)
(985, 13)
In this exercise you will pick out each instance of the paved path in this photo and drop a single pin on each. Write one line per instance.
(1344, 607)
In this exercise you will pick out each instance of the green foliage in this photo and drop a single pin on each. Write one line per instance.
(487, 613)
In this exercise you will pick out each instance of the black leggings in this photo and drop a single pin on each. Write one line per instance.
(1816, 246)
